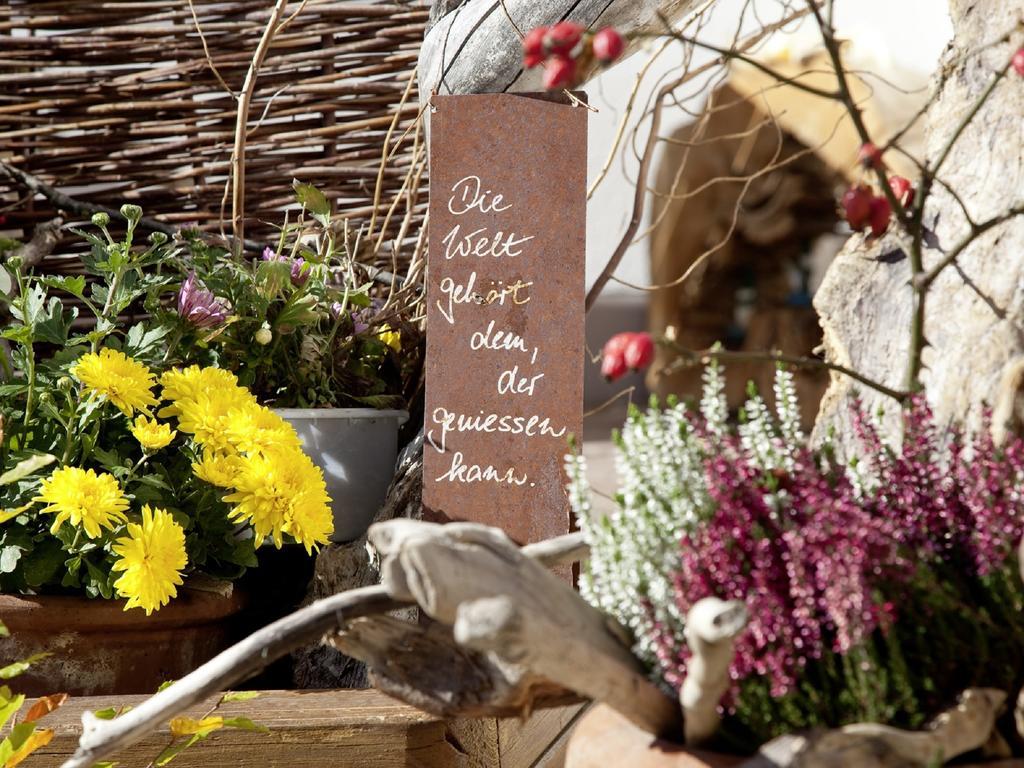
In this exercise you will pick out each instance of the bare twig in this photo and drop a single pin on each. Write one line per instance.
(206, 50)
(925, 279)
(640, 195)
(242, 120)
(690, 357)
(73, 205)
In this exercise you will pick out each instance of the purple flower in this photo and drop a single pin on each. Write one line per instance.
(199, 306)
(299, 275)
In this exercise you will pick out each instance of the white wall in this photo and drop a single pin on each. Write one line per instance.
(902, 38)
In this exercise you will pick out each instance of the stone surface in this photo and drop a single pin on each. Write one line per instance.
(974, 313)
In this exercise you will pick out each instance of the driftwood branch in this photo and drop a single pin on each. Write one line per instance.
(964, 728)
(100, 739)
(69, 204)
(44, 239)
(711, 628)
(501, 602)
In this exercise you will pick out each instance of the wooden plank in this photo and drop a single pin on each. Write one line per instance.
(336, 729)
(522, 743)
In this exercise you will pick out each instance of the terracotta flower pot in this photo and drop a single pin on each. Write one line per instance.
(603, 738)
(98, 648)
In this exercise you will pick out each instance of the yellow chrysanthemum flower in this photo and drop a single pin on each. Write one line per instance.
(83, 498)
(218, 469)
(185, 385)
(125, 382)
(254, 428)
(280, 490)
(392, 338)
(152, 557)
(151, 434)
(206, 418)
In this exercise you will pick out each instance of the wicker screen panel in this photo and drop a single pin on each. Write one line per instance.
(117, 101)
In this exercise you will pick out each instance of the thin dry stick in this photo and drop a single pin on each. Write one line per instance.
(690, 357)
(747, 181)
(206, 50)
(244, 99)
(639, 198)
(385, 154)
(626, 114)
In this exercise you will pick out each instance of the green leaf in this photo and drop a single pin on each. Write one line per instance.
(240, 696)
(45, 561)
(15, 669)
(173, 750)
(54, 328)
(26, 467)
(73, 284)
(245, 724)
(4, 631)
(311, 198)
(165, 684)
(22, 334)
(18, 736)
(111, 712)
(139, 341)
(9, 704)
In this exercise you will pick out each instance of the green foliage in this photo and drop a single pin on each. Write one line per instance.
(306, 326)
(47, 419)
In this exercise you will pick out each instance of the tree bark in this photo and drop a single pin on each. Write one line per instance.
(476, 47)
(974, 313)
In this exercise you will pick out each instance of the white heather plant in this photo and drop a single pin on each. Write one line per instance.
(663, 494)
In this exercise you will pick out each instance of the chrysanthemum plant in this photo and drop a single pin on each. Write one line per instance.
(304, 324)
(877, 589)
(123, 473)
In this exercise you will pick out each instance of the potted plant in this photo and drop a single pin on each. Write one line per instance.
(126, 478)
(876, 589)
(304, 328)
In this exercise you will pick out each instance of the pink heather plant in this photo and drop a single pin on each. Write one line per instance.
(877, 590)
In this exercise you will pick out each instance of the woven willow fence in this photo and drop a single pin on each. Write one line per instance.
(113, 102)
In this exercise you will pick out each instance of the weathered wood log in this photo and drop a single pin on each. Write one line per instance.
(711, 629)
(476, 579)
(423, 665)
(476, 47)
(961, 729)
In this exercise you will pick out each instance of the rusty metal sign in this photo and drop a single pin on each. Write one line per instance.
(505, 291)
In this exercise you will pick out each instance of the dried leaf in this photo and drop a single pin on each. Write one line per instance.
(39, 738)
(45, 706)
(187, 726)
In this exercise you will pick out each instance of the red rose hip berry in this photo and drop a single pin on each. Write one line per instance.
(533, 47)
(563, 37)
(1018, 62)
(559, 72)
(881, 212)
(639, 351)
(856, 204)
(902, 190)
(869, 156)
(607, 45)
